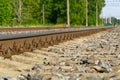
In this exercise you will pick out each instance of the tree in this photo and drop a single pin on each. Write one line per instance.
(5, 12)
(27, 12)
(17, 10)
(78, 12)
(35, 12)
(92, 16)
(56, 11)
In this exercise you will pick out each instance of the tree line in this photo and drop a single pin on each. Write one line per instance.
(37, 12)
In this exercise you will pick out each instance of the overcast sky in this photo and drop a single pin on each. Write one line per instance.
(111, 9)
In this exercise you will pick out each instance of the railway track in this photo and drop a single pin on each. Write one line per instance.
(83, 58)
(19, 41)
(32, 29)
(28, 29)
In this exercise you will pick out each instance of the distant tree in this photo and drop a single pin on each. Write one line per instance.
(114, 21)
(78, 12)
(17, 10)
(55, 11)
(119, 22)
(5, 12)
(92, 11)
(34, 12)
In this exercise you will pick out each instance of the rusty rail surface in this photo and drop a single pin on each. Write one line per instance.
(13, 45)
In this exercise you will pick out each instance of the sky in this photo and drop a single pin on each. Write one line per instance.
(111, 9)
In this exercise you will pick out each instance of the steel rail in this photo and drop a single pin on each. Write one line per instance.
(19, 42)
(23, 34)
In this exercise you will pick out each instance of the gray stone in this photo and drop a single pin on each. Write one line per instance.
(93, 78)
(54, 78)
(37, 66)
(62, 63)
(37, 77)
(118, 56)
(1, 78)
(1, 58)
(101, 63)
(21, 77)
(100, 69)
(10, 78)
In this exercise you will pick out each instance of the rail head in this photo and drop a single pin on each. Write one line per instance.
(23, 34)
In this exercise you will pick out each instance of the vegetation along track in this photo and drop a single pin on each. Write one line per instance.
(16, 43)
